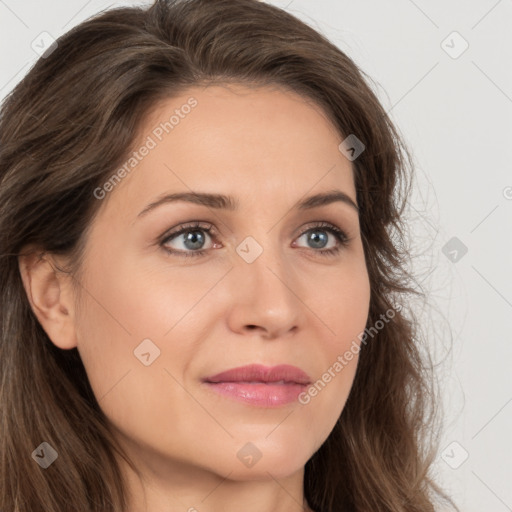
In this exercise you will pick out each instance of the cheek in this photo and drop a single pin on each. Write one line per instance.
(340, 298)
(129, 363)
(342, 306)
(117, 315)
(151, 301)
(126, 304)
(124, 307)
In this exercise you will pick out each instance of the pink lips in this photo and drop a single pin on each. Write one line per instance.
(261, 385)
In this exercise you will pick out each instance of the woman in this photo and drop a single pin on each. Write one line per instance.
(203, 274)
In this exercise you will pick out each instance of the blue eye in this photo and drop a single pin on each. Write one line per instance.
(193, 240)
(196, 235)
(317, 236)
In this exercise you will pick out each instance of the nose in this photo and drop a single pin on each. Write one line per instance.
(265, 298)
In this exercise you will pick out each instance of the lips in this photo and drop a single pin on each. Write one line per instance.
(260, 386)
(255, 373)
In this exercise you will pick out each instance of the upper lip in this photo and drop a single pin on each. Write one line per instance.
(261, 373)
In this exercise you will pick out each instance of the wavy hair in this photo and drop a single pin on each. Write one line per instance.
(63, 130)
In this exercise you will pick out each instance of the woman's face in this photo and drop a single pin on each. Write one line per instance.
(248, 284)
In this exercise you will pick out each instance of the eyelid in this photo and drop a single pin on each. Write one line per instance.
(188, 226)
(322, 224)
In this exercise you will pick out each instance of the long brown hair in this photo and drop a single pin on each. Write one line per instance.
(72, 121)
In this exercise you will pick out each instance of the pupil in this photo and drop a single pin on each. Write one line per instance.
(193, 237)
(315, 238)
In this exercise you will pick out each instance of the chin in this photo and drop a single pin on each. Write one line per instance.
(262, 459)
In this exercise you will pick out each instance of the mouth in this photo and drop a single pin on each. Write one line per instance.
(260, 385)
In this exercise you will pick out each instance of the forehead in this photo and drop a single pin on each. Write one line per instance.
(237, 140)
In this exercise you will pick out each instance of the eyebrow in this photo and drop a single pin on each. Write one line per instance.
(223, 202)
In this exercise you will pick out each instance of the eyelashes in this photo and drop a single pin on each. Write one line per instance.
(198, 228)
(183, 228)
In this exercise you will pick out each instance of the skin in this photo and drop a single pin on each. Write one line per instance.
(268, 148)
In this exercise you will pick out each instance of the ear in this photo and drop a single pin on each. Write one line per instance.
(50, 295)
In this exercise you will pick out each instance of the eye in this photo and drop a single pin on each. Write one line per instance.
(316, 236)
(192, 243)
(197, 233)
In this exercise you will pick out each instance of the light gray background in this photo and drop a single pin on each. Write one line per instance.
(455, 113)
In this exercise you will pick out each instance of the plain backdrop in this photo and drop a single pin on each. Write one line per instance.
(442, 70)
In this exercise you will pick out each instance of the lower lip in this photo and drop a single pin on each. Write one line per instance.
(260, 394)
